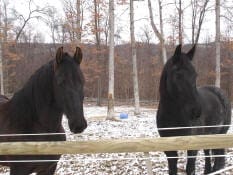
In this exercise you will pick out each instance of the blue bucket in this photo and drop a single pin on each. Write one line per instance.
(123, 115)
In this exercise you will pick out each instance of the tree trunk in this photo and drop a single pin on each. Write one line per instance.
(79, 30)
(1, 70)
(96, 16)
(1, 56)
(98, 48)
(217, 45)
(197, 21)
(164, 52)
(99, 92)
(111, 62)
(180, 23)
(134, 60)
(5, 33)
(156, 31)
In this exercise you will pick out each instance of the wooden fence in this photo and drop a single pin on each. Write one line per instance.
(118, 145)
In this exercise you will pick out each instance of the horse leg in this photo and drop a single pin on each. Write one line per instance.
(172, 162)
(48, 170)
(190, 167)
(207, 162)
(219, 162)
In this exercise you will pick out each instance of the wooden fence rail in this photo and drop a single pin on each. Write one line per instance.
(118, 145)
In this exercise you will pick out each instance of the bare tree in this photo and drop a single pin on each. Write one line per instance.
(63, 35)
(134, 60)
(180, 14)
(111, 62)
(146, 35)
(70, 20)
(37, 12)
(164, 52)
(199, 9)
(228, 12)
(5, 21)
(4, 27)
(53, 22)
(160, 34)
(79, 21)
(97, 31)
(106, 30)
(74, 20)
(217, 44)
(97, 22)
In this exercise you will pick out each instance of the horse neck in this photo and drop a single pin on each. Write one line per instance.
(35, 102)
(170, 103)
(173, 104)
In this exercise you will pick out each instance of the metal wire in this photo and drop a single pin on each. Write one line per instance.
(159, 129)
(31, 134)
(221, 171)
(193, 127)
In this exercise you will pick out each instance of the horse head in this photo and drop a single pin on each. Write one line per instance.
(181, 81)
(68, 88)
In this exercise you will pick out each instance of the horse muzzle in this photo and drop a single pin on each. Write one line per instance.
(77, 126)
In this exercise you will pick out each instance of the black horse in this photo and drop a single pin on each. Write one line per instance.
(182, 104)
(53, 90)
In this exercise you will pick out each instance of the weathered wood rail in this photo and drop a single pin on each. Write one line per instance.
(118, 145)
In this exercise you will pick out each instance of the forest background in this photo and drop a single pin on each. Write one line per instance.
(31, 31)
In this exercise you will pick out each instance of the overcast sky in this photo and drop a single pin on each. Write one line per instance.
(141, 20)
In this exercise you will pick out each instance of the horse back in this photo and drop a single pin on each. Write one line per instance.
(216, 108)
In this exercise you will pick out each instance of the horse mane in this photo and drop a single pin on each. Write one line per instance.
(27, 103)
(163, 79)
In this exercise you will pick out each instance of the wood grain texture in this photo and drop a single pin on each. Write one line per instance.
(118, 145)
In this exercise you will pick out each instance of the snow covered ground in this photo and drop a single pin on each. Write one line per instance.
(121, 163)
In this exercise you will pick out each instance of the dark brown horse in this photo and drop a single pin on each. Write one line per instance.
(53, 90)
(183, 104)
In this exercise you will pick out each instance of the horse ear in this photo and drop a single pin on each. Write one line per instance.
(176, 56)
(191, 53)
(178, 50)
(78, 55)
(59, 55)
